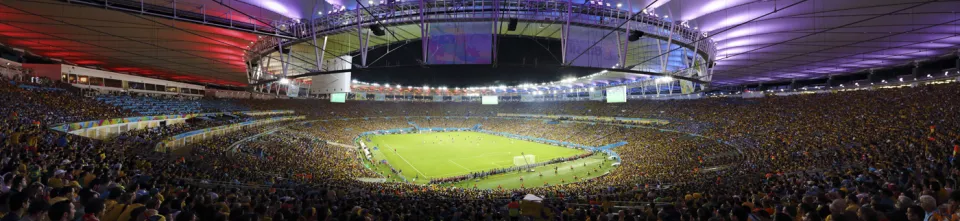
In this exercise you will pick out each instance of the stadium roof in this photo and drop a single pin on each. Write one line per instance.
(757, 41)
(128, 42)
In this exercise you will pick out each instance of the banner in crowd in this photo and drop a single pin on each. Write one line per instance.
(456, 98)
(528, 98)
(379, 97)
(360, 96)
(437, 98)
(596, 95)
(686, 87)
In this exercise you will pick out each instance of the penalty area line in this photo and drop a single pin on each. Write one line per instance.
(408, 162)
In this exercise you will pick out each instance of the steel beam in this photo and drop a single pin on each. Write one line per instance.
(666, 57)
(565, 32)
(424, 39)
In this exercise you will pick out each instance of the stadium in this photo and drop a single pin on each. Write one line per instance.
(641, 110)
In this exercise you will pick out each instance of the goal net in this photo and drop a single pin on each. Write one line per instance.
(524, 160)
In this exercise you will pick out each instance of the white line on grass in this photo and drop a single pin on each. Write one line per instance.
(405, 160)
(461, 166)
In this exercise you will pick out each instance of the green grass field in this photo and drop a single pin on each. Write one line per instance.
(447, 154)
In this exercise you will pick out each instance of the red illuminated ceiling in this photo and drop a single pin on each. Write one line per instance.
(124, 42)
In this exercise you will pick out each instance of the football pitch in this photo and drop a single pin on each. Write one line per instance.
(447, 154)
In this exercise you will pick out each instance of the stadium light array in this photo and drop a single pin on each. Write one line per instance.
(664, 79)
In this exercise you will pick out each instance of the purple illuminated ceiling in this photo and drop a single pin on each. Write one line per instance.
(757, 40)
(779, 40)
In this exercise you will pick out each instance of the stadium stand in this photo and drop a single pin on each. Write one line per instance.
(150, 105)
(871, 155)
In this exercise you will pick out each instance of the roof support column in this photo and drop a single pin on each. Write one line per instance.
(424, 40)
(626, 40)
(283, 63)
(565, 32)
(666, 58)
(360, 40)
(313, 34)
(496, 26)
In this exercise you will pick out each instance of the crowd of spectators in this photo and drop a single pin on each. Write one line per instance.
(864, 155)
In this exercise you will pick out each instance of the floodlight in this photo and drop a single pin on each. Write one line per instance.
(284, 81)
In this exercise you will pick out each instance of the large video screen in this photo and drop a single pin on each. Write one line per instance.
(617, 94)
(460, 43)
(489, 100)
(602, 55)
(338, 97)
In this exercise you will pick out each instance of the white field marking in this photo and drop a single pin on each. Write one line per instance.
(405, 160)
(461, 166)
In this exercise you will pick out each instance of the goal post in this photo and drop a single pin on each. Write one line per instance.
(524, 160)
